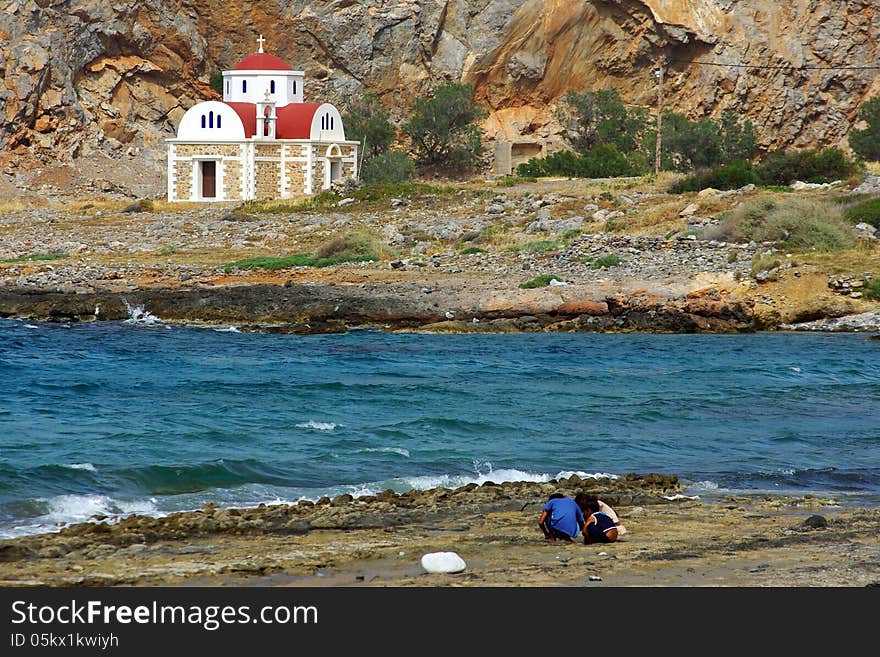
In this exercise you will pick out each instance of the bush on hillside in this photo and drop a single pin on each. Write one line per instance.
(796, 223)
(783, 167)
(391, 167)
(726, 176)
(866, 143)
(867, 212)
(604, 161)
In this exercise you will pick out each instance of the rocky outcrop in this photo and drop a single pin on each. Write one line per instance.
(84, 76)
(332, 308)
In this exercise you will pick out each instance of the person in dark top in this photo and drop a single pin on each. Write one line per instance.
(561, 518)
(599, 527)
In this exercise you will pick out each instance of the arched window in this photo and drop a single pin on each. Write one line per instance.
(203, 121)
(227, 86)
(323, 122)
(332, 121)
(211, 119)
(244, 86)
(218, 120)
(293, 88)
(271, 86)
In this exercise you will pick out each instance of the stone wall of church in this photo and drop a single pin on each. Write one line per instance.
(295, 180)
(183, 173)
(268, 179)
(232, 180)
(267, 150)
(190, 150)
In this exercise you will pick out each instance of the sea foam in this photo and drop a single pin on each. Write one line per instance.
(318, 426)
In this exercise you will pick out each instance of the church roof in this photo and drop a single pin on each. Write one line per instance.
(294, 120)
(262, 61)
(247, 112)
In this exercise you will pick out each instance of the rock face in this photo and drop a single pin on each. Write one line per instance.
(90, 75)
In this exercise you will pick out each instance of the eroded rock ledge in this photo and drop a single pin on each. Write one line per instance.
(301, 308)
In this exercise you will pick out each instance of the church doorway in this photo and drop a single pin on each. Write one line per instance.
(209, 179)
(335, 170)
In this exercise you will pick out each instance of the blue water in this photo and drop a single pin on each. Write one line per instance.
(114, 418)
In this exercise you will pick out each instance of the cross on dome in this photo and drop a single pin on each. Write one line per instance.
(261, 41)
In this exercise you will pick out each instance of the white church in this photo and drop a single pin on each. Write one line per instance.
(261, 142)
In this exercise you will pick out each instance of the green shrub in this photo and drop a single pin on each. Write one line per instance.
(471, 250)
(384, 191)
(603, 161)
(871, 289)
(726, 176)
(815, 166)
(606, 261)
(866, 143)
(796, 223)
(765, 262)
(351, 247)
(540, 281)
(539, 246)
(510, 181)
(392, 167)
(867, 212)
(36, 257)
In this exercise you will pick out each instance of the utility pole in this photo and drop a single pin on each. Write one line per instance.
(659, 75)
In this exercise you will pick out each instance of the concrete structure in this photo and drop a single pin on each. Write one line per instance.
(261, 142)
(510, 154)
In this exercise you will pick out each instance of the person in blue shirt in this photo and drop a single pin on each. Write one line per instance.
(561, 518)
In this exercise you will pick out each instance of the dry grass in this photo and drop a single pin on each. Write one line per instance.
(865, 258)
(21, 204)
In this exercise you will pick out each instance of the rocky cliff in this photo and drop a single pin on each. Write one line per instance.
(95, 76)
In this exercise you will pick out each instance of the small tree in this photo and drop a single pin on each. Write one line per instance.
(866, 143)
(217, 82)
(389, 168)
(738, 140)
(689, 145)
(367, 121)
(443, 127)
(594, 118)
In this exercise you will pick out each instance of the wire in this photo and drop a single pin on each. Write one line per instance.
(788, 67)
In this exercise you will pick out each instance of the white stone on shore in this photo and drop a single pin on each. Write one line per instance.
(443, 562)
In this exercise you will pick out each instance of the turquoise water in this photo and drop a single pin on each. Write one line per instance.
(116, 418)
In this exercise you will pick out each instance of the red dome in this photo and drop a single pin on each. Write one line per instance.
(262, 61)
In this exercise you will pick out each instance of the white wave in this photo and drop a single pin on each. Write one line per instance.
(31, 326)
(139, 315)
(228, 329)
(565, 474)
(81, 466)
(704, 486)
(797, 370)
(385, 450)
(679, 496)
(319, 426)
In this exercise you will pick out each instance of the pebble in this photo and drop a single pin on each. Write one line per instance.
(595, 578)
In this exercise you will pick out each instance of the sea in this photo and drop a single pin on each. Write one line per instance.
(110, 419)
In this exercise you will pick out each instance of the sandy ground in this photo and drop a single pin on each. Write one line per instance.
(741, 542)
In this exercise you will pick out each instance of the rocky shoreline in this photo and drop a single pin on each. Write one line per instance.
(377, 541)
(313, 308)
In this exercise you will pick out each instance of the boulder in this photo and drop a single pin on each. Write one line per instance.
(443, 562)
